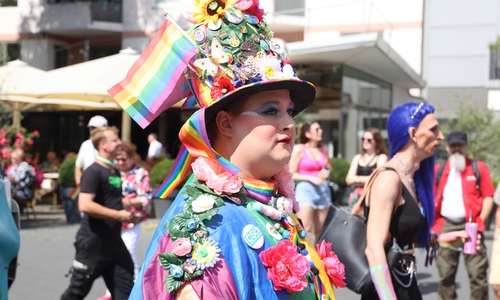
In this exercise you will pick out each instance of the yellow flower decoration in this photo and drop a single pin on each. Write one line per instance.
(205, 254)
(210, 10)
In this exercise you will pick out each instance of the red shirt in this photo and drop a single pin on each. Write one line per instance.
(473, 198)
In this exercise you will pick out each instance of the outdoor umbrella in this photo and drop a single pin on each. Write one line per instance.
(16, 78)
(89, 82)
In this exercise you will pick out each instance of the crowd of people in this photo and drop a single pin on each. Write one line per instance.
(246, 222)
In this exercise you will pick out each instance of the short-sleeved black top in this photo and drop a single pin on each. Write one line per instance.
(106, 185)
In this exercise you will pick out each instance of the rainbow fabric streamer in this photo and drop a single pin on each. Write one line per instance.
(156, 81)
(74, 193)
(194, 138)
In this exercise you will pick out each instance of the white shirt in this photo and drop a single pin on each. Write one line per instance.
(86, 155)
(155, 148)
(453, 201)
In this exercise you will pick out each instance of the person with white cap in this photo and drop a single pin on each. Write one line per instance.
(87, 152)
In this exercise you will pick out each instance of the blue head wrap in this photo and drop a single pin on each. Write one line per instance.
(401, 119)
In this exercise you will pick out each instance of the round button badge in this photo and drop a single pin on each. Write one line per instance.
(253, 236)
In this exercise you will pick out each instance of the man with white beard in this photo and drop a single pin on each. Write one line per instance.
(459, 199)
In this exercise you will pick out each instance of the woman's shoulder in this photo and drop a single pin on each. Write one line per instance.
(386, 174)
(356, 158)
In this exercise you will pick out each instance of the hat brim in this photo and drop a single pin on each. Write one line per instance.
(302, 94)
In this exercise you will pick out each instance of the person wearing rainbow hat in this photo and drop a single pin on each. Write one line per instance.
(232, 232)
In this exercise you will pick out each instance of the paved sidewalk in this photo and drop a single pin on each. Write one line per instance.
(47, 252)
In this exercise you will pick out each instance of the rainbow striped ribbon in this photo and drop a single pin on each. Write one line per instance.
(74, 193)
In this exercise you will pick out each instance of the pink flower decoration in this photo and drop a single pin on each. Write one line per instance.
(251, 7)
(287, 269)
(286, 185)
(333, 266)
(215, 177)
(182, 247)
(36, 133)
(6, 152)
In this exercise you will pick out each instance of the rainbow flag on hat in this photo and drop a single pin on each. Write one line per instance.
(156, 81)
(74, 193)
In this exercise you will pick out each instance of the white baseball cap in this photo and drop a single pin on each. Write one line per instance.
(97, 121)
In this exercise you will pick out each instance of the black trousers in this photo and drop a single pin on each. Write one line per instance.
(107, 258)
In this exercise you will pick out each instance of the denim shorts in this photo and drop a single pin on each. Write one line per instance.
(316, 196)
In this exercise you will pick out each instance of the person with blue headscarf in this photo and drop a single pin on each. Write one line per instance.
(414, 137)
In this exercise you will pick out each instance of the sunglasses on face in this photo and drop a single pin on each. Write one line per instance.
(368, 140)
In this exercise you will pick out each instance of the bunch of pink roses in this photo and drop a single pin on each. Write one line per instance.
(13, 137)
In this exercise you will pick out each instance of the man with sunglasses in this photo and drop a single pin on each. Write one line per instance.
(100, 250)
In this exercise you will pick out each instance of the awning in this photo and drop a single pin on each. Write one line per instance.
(366, 51)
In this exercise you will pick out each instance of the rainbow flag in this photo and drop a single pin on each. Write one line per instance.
(156, 80)
(74, 193)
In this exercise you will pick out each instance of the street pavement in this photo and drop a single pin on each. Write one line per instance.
(47, 252)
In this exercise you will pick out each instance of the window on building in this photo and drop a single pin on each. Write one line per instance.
(289, 7)
(366, 90)
(5, 3)
(495, 59)
(9, 52)
(495, 64)
(60, 56)
(98, 52)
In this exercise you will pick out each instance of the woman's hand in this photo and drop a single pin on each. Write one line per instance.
(324, 174)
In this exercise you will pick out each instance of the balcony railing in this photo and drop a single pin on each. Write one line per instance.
(101, 10)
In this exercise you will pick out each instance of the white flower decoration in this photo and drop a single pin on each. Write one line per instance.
(288, 71)
(269, 67)
(203, 203)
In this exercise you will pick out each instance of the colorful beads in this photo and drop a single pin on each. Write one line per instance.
(268, 211)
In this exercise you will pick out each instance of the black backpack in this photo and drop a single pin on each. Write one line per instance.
(475, 169)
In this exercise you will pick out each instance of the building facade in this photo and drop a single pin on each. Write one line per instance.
(458, 62)
(363, 56)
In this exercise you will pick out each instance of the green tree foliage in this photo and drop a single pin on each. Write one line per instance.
(483, 133)
(159, 171)
(339, 172)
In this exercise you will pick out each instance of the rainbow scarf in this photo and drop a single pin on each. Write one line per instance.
(74, 193)
(259, 190)
(195, 143)
(155, 82)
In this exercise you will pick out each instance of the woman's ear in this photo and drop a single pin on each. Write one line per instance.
(412, 133)
(224, 123)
